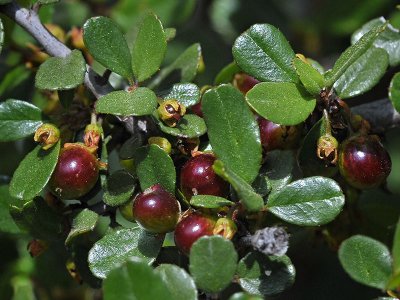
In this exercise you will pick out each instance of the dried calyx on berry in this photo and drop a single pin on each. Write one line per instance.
(47, 135)
(327, 149)
(171, 111)
(93, 134)
(225, 227)
(269, 240)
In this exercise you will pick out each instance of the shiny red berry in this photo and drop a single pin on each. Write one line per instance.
(196, 109)
(363, 161)
(244, 82)
(191, 228)
(198, 178)
(76, 172)
(156, 210)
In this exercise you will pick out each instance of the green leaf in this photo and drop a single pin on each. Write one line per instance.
(244, 296)
(265, 275)
(209, 201)
(153, 165)
(312, 80)
(18, 119)
(264, 53)
(117, 247)
(139, 102)
(283, 103)
(187, 94)
(394, 91)
(135, 280)
(1, 35)
(34, 172)
(84, 222)
(396, 250)
(23, 287)
(149, 48)
(366, 260)
(227, 74)
(308, 202)
(252, 201)
(216, 272)
(233, 131)
(47, 1)
(188, 62)
(66, 97)
(130, 146)
(189, 126)
(362, 75)
(119, 188)
(178, 281)
(7, 224)
(106, 42)
(61, 73)
(351, 54)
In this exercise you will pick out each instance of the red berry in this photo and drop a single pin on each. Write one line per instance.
(244, 82)
(198, 178)
(191, 228)
(196, 109)
(76, 172)
(364, 162)
(156, 210)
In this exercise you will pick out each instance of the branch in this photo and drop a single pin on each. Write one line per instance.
(29, 20)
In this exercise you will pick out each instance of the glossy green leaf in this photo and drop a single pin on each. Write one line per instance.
(187, 94)
(135, 280)
(139, 102)
(119, 188)
(61, 73)
(178, 281)
(84, 222)
(265, 275)
(308, 202)
(366, 260)
(362, 75)
(209, 201)
(106, 42)
(227, 74)
(394, 91)
(7, 224)
(153, 165)
(264, 53)
(216, 272)
(312, 80)
(1, 35)
(351, 54)
(396, 250)
(188, 63)
(117, 247)
(34, 172)
(244, 296)
(18, 119)
(149, 48)
(252, 201)
(233, 131)
(189, 126)
(38, 219)
(283, 103)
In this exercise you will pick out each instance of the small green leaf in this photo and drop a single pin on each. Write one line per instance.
(34, 172)
(1, 35)
(187, 94)
(153, 165)
(178, 281)
(170, 34)
(227, 74)
(265, 275)
(394, 91)
(85, 221)
(362, 75)
(312, 80)
(135, 280)
(189, 126)
(264, 53)
(216, 272)
(117, 247)
(351, 54)
(106, 42)
(366, 260)
(283, 103)
(139, 102)
(308, 202)
(244, 296)
(149, 48)
(119, 188)
(188, 62)
(396, 250)
(208, 201)
(233, 131)
(7, 224)
(61, 73)
(18, 119)
(252, 201)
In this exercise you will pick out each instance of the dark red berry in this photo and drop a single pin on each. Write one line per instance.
(244, 82)
(198, 178)
(196, 109)
(363, 161)
(156, 210)
(76, 172)
(191, 228)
